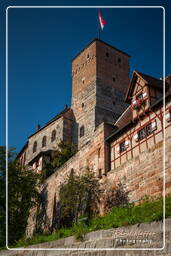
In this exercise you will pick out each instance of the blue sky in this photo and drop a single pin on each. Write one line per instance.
(42, 43)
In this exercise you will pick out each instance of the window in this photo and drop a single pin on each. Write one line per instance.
(113, 78)
(149, 129)
(168, 115)
(88, 56)
(72, 172)
(53, 136)
(44, 142)
(35, 147)
(122, 147)
(81, 131)
(119, 60)
(82, 105)
(107, 54)
(142, 134)
(139, 96)
(146, 131)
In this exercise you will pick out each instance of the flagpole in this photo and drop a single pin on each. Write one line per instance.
(98, 29)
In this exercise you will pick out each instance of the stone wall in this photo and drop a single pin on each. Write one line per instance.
(91, 157)
(134, 238)
(142, 175)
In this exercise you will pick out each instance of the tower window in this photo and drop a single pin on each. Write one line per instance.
(35, 147)
(44, 142)
(82, 105)
(119, 60)
(53, 136)
(107, 54)
(113, 78)
(81, 131)
(88, 56)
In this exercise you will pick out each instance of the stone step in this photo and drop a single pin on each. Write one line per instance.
(166, 252)
(110, 238)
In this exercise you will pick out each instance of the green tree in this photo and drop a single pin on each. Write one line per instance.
(79, 195)
(11, 156)
(66, 150)
(22, 196)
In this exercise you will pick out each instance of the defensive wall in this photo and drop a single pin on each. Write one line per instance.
(143, 175)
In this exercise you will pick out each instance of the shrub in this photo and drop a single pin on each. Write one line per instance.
(79, 195)
(66, 151)
(80, 231)
(117, 196)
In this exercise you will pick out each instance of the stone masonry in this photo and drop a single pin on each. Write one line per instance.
(100, 76)
(99, 83)
(136, 240)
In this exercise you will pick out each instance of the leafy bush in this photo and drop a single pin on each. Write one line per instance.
(79, 231)
(117, 196)
(22, 196)
(66, 151)
(78, 195)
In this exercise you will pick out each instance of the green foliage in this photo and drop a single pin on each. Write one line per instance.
(117, 196)
(22, 196)
(66, 151)
(11, 156)
(79, 231)
(78, 195)
(119, 216)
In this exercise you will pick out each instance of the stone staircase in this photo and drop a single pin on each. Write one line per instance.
(108, 242)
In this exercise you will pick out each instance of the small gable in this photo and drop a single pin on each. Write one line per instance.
(142, 92)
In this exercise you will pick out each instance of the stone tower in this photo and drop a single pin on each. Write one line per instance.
(100, 77)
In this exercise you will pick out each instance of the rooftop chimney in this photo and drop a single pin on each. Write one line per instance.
(38, 127)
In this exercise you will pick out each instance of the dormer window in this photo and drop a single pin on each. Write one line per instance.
(139, 96)
(139, 100)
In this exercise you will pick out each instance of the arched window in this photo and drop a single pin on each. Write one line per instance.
(53, 137)
(72, 172)
(44, 142)
(35, 147)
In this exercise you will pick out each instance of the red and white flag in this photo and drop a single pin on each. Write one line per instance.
(101, 20)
